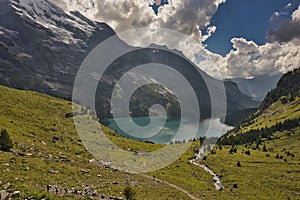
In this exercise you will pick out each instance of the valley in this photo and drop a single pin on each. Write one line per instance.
(46, 143)
(217, 119)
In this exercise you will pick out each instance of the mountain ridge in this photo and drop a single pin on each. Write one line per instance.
(279, 111)
(42, 47)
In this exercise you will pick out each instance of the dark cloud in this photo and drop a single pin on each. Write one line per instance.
(287, 31)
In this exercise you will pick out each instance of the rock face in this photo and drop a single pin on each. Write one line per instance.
(42, 48)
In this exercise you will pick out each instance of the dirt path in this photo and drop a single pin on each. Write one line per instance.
(172, 185)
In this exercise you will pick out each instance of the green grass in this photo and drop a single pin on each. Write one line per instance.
(277, 112)
(261, 176)
(33, 119)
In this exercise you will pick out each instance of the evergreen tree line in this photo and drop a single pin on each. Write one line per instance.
(287, 87)
(252, 135)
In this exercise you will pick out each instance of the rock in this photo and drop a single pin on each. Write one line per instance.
(55, 139)
(4, 195)
(21, 154)
(84, 171)
(8, 185)
(53, 172)
(16, 194)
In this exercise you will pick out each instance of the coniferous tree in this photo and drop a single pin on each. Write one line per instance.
(129, 193)
(5, 141)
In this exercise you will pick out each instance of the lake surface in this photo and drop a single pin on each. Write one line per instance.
(169, 132)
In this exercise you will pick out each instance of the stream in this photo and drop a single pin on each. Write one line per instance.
(216, 179)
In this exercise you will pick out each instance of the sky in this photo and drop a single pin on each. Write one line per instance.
(248, 19)
(243, 38)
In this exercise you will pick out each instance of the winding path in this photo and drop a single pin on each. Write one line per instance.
(173, 186)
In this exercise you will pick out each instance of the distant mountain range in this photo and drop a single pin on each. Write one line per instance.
(42, 48)
(258, 87)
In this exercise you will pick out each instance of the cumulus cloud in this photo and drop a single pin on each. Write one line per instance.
(210, 31)
(287, 30)
(248, 59)
(184, 16)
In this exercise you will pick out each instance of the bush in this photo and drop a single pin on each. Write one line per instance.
(248, 152)
(239, 164)
(129, 193)
(5, 141)
(233, 150)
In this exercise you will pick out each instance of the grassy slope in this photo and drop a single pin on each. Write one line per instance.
(262, 176)
(33, 119)
(277, 112)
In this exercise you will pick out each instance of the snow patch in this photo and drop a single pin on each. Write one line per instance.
(53, 18)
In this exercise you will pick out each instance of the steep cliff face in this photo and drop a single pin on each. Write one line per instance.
(42, 47)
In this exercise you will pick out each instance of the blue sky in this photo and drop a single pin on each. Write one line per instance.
(249, 19)
(246, 24)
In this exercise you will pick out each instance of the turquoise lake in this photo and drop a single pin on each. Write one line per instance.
(169, 132)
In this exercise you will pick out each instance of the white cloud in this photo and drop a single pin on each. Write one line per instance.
(289, 5)
(210, 31)
(296, 14)
(183, 16)
(250, 60)
(247, 59)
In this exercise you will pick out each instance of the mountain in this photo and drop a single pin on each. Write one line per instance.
(42, 48)
(257, 87)
(280, 111)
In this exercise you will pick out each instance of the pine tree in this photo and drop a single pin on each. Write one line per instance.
(265, 148)
(129, 193)
(5, 141)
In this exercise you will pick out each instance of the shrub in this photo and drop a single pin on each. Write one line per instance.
(129, 193)
(248, 152)
(5, 141)
(233, 150)
(265, 148)
(239, 164)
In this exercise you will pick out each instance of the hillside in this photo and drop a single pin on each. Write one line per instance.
(260, 158)
(48, 151)
(279, 111)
